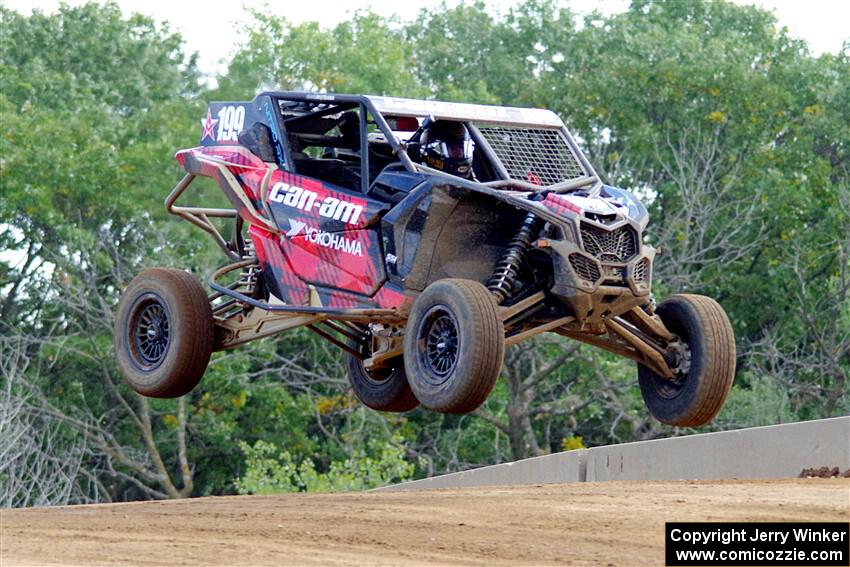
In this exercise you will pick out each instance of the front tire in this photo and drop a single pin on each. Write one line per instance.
(707, 363)
(163, 333)
(454, 345)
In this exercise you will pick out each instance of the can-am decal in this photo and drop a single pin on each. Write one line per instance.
(333, 240)
(306, 200)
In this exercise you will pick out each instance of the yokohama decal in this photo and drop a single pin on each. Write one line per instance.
(334, 240)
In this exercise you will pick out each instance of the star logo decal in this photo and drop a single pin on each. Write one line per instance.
(208, 125)
(295, 227)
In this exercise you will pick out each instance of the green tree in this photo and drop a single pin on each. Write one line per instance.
(738, 136)
(269, 470)
(468, 53)
(366, 54)
(93, 105)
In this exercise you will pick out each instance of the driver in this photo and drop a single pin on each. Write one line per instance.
(445, 145)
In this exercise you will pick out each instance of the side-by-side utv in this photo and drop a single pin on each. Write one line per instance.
(422, 238)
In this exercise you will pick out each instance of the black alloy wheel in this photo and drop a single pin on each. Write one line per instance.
(150, 331)
(439, 343)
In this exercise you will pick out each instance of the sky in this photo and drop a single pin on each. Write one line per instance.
(213, 28)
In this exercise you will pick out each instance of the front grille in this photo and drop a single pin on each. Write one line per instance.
(535, 155)
(641, 270)
(617, 245)
(584, 267)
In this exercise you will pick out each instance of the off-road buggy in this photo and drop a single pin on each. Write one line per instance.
(421, 277)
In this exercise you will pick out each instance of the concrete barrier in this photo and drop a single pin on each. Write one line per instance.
(774, 451)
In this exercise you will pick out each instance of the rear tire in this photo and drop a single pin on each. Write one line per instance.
(382, 389)
(163, 333)
(454, 345)
(694, 398)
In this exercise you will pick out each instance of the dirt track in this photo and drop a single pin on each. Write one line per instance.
(613, 523)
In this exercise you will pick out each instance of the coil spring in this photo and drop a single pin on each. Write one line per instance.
(248, 277)
(501, 283)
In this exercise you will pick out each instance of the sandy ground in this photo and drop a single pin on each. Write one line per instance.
(611, 523)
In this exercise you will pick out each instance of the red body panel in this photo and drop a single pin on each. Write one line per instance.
(560, 205)
(329, 237)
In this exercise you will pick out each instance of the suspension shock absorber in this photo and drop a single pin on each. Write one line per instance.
(248, 277)
(501, 283)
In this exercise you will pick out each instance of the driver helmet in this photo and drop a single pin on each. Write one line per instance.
(446, 145)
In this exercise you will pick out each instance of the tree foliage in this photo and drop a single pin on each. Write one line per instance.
(269, 470)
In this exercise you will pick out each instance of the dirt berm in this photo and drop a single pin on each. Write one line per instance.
(608, 523)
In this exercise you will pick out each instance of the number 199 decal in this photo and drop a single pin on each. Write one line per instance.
(230, 122)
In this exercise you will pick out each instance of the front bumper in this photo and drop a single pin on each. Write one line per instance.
(601, 271)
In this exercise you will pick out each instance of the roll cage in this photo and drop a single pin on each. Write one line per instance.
(516, 148)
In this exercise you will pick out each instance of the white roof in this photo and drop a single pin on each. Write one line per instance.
(469, 112)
